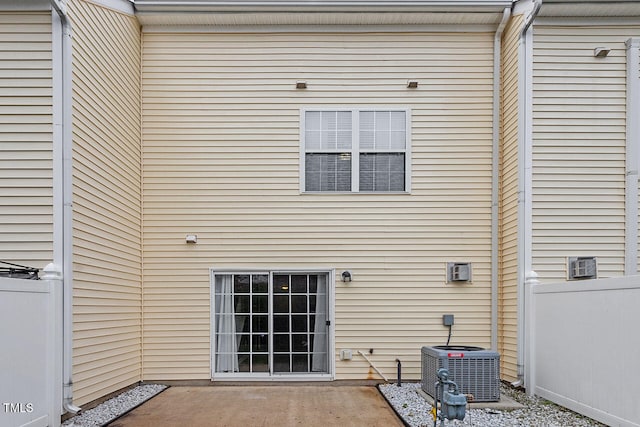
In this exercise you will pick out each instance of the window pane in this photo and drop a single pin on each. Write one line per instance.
(312, 120)
(241, 284)
(398, 120)
(281, 363)
(243, 342)
(244, 363)
(281, 343)
(328, 172)
(383, 130)
(382, 140)
(367, 120)
(242, 323)
(299, 304)
(313, 283)
(312, 140)
(299, 323)
(328, 140)
(300, 363)
(300, 342)
(280, 284)
(260, 324)
(281, 303)
(382, 172)
(241, 303)
(343, 134)
(397, 140)
(299, 284)
(260, 343)
(260, 363)
(260, 303)
(281, 323)
(260, 284)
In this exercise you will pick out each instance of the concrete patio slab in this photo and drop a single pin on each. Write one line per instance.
(248, 406)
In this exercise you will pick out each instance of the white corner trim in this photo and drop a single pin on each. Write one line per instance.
(495, 176)
(525, 177)
(632, 161)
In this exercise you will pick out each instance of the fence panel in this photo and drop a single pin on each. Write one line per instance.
(30, 380)
(584, 347)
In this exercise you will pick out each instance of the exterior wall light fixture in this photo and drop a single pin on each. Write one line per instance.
(346, 276)
(412, 84)
(191, 238)
(601, 52)
(301, 84)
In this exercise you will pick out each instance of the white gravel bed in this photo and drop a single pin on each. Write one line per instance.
(415, 410)
(111, 409)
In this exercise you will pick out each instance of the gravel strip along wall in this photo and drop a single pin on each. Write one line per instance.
(415, 411)
(115, 407)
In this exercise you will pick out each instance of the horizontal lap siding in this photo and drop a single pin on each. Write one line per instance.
(26, 188)
(221, 160)
(579, 148)
(508, 201)
(106, 200)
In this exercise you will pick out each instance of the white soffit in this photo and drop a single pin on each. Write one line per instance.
(590, 8)
(236, 19)
(320, 12)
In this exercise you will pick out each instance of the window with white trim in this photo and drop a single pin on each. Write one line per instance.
(355, 150)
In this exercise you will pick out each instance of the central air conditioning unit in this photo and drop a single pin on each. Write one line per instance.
(475, 370)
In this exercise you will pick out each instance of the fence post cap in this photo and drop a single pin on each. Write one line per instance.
(52, 272)
(531, 277)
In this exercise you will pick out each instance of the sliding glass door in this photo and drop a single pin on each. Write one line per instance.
(269, 324)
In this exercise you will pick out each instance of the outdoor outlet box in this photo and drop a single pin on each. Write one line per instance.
(447, 319)
(346, 355)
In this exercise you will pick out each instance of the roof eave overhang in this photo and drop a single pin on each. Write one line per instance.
(589, 8)
(252, 6)
(319, 12)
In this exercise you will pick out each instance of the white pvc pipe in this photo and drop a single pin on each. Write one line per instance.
(67, 206)
(373, 366)
(495, 178)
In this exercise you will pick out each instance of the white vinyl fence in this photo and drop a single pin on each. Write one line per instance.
(583, 347)
(30, 351)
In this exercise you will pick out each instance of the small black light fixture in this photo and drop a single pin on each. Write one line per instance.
(412, 84)
(346, 276)
(301, 84)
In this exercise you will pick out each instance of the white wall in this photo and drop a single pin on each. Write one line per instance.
(30, 354)
(583, 347)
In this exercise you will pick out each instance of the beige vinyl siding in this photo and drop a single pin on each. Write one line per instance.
(106, 201)
(26, 188)
(508, 201)
(221, 145)
(579, 148)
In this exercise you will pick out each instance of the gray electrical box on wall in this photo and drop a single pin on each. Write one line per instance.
(447, 320)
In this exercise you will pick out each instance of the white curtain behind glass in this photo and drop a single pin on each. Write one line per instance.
(227, 358)
(319, 358)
